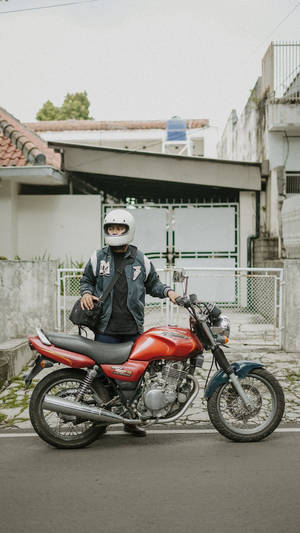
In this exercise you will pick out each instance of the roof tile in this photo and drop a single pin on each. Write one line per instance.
(26, 140)
(10, 156)
(89, 125)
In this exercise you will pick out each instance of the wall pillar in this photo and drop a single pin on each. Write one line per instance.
(247, 222)
(291, 306)
(247, 229)
(8, 219)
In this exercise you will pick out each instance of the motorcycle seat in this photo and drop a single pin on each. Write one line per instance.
(101, 352)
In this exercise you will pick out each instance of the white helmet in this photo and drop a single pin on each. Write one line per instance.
(119, 216)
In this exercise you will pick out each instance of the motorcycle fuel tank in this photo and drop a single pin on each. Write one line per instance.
(165, 343)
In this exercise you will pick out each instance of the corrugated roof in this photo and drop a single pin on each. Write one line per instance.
(19, 146)
(90, 125)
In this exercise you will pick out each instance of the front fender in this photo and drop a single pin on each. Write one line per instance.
(241, 370)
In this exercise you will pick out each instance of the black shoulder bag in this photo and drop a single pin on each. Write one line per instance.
(90, 317)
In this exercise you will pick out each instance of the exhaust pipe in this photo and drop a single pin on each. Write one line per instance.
(68, 407)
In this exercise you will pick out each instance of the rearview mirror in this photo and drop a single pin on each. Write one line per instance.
(179, 276)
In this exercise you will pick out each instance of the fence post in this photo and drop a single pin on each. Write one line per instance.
(58, 300)
(281, 284)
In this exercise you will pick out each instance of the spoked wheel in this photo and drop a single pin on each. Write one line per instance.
(65, 431)
(237, 422)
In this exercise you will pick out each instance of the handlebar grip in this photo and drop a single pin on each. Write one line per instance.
(180, 300)
(183, 301)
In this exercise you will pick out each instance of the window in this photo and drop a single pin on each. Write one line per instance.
(293, 182)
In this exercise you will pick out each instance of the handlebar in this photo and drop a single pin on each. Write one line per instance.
(208, 309)
(185, 301)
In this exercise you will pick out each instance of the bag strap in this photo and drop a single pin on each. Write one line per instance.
(126, 261)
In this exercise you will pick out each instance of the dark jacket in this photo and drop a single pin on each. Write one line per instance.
(141, 278)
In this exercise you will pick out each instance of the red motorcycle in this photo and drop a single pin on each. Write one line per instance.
(150, 381)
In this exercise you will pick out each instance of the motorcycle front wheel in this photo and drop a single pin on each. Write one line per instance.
(239, 423)
(63, 431)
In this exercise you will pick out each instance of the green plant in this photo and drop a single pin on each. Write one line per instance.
(45, 257)
(75, 106)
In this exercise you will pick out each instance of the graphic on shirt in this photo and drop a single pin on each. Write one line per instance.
(137, 271)
(104, 268)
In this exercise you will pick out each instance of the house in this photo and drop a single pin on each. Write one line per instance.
(268, 131)
(146, 135)
(57, 213)
(25, 159)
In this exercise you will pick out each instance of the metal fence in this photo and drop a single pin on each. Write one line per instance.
(286, 57)
(252, 299)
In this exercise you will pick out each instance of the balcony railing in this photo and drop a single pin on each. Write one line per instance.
(281, 71)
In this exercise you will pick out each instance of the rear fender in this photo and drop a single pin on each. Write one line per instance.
(241, 370)
(39, 364)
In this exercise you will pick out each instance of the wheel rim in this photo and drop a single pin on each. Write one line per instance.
(63, 426)
(263, 405)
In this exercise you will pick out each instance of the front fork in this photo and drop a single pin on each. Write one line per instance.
(228, 369)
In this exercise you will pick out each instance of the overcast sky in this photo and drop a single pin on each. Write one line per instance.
(139, 59)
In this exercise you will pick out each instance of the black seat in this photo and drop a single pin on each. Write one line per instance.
(101, 352)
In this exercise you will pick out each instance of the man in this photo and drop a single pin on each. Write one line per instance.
(122, 317)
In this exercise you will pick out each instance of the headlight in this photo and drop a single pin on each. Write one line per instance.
(221, 326)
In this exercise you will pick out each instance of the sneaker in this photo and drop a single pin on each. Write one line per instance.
(134, 430)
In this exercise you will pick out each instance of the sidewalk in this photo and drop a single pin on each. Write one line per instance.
(14, 399)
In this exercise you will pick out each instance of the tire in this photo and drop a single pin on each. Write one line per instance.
(54, 428)
(232, 419)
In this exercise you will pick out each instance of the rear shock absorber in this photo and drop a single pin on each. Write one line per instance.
(90, 375)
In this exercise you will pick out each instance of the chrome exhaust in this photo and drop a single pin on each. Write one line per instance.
(186, 405)
(68, 407)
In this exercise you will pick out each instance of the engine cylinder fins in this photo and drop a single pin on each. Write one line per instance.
(173, 370)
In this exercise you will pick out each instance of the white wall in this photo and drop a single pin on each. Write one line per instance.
(59, 226)
(291, 226)
(239, 141)
(28, 296)
(284, 151)
(284, 116)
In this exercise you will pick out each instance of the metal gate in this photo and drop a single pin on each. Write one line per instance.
(251, 299)
(186, 235)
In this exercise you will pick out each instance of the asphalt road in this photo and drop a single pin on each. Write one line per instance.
(162, 483)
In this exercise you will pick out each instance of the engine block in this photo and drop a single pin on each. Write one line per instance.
(163, 390)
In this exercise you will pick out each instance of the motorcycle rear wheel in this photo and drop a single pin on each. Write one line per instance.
(55, 429)
(232, 419)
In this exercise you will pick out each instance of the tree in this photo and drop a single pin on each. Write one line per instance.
(48, 112)
(75, 106)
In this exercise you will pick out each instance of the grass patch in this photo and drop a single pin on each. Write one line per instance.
(2, 418)
(293, 377)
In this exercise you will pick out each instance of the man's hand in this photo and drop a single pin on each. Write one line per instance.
(172, 295)
(87, 301)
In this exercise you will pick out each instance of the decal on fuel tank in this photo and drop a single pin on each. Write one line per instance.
(120, 371)
(173, 334)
